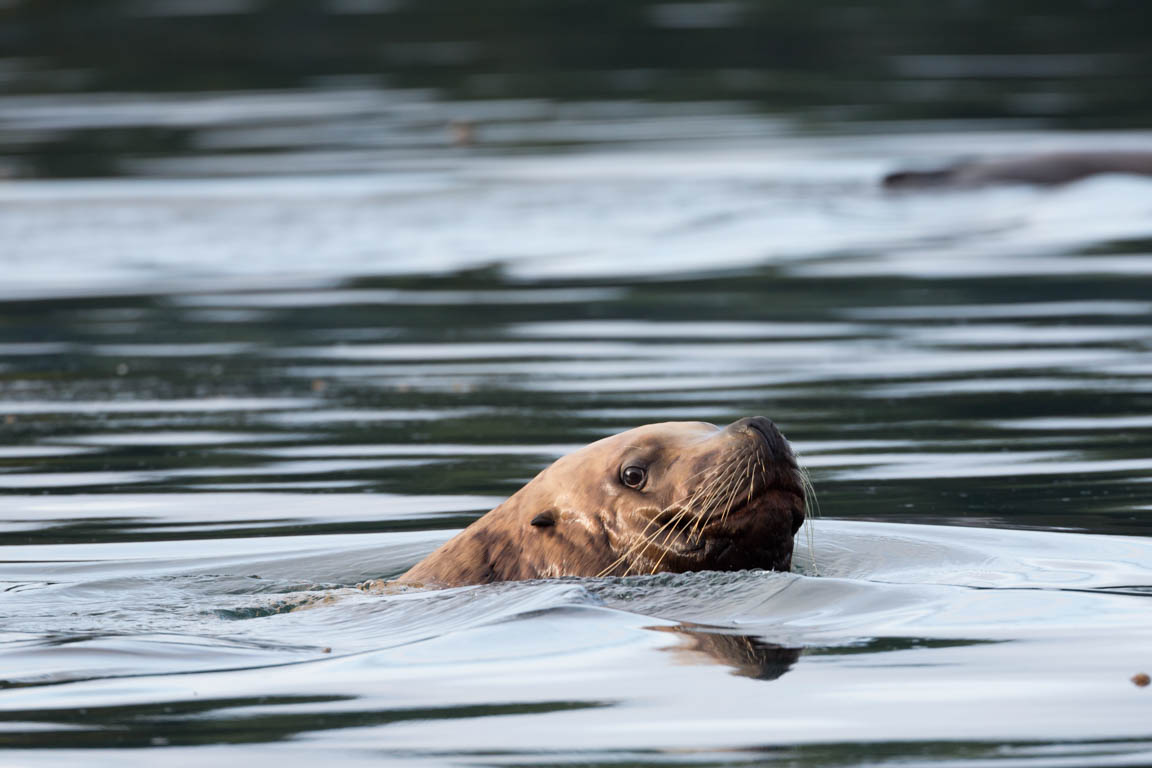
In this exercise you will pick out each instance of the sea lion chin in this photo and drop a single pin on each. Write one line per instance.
(671, 497)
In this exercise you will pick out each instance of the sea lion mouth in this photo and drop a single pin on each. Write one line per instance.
(677, 532)
(770, 497)
(693, 541)
(761, 480)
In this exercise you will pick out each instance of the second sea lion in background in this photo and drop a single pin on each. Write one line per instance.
(1038, 170)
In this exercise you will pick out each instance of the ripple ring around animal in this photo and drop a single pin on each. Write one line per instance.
(671, 497)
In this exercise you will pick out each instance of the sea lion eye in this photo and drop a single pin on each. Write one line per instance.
(633, 476)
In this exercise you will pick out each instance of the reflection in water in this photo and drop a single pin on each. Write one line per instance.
(747, 655)
(262, 719)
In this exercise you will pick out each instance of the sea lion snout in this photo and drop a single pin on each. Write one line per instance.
(764, 429)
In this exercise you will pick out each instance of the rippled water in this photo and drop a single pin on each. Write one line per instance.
(228, 403)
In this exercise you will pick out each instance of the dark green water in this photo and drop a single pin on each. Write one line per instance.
(1083, 64)
(436, 385)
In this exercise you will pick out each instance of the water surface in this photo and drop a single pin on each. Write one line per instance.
(195, 481)
(245, 373)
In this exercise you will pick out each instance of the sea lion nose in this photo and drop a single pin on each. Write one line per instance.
(767, 431)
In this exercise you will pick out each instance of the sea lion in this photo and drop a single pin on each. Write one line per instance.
(672, 497)
(1039, 170)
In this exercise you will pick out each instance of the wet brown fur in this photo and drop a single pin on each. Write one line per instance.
(714, 499)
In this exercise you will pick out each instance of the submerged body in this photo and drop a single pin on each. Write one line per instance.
(1040, 170)
(672, 497)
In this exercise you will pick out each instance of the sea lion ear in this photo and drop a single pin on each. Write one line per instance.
(545, 519)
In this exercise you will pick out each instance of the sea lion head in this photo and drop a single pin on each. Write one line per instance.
(672, 497)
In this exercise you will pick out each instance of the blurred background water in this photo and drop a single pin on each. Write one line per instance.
(290, 291)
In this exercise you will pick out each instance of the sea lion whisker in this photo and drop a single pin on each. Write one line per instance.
(811, 503)
(706, 494)
(735, 490)
(701, 495)
(707, 506)
(811, 512)
(710, 470)
(670, 525)
(644, 539)
(751, 485)
(665, 547)
(714, 492)
(722, 489)
(731, 482)
(703, 498)
(700, 498)
(667, 529)
(732, 485)
(719, 486)
(701, 492)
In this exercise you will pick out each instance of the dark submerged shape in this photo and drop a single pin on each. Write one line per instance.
(746, 655)
(1039, 170)
(672, 497)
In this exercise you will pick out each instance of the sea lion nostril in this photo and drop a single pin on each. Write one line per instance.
(761, 429)
(767, 431)
(760, 423)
